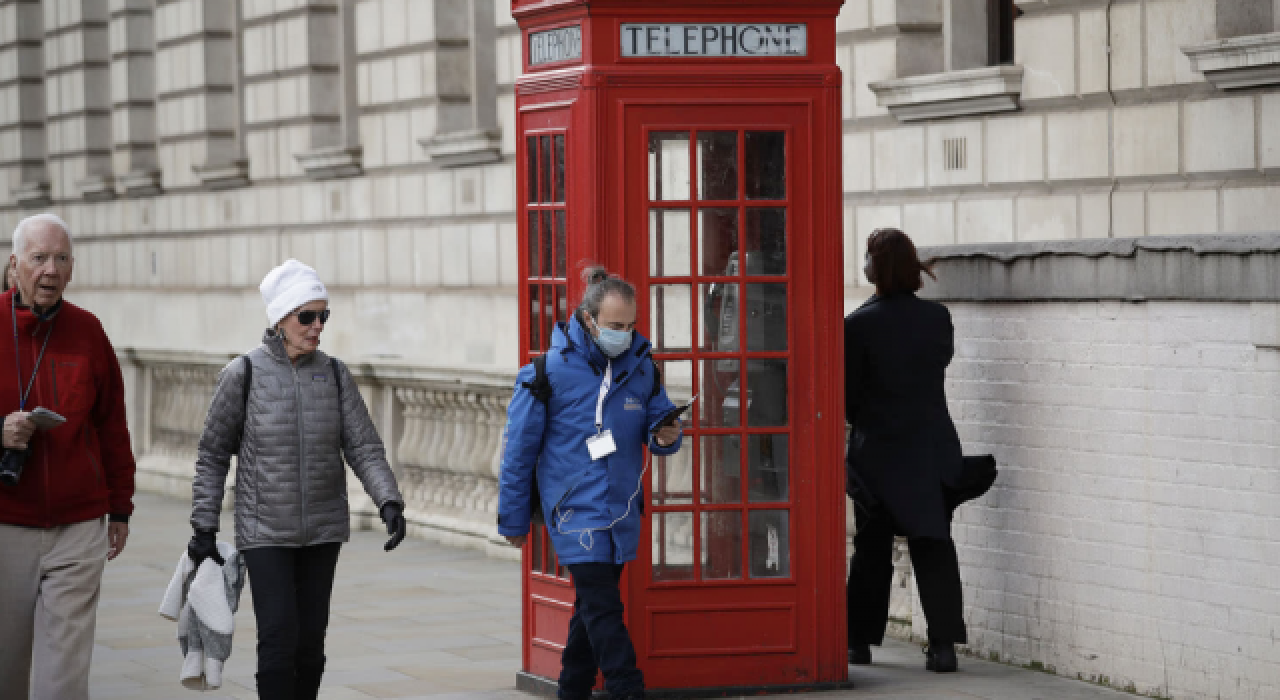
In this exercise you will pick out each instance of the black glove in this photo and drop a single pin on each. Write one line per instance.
(204, 545)
(392, 515)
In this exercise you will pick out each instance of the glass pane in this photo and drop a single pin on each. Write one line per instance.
(766, 156)
(562, 303)
(560, 252)
(535, 322)
(669, 165)
(673, 547)
(766, 241)
(718, 229)
(547, 245)
(768, 476)
(718, 403)
(677, 379)
(548, 313)
(534, 246)
(718, 331)
(671, 319)
(718, 165)
(531, 153)
(721, 469)
(673, 478)
(722, 545)
(557, 191)
(544, 165)
(766, 393)
(669, 238)
(770, 533)
(767, 317)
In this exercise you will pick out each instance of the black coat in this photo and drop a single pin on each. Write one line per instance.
(904, 453)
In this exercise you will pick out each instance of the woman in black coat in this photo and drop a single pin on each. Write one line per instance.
(903, 451)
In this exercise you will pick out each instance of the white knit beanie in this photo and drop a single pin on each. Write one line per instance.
(288, 287)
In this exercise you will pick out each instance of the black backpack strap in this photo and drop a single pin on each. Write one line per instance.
(336, 366)
(540, 387)
(246, 384)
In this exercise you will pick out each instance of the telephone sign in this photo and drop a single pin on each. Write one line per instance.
(735, 40)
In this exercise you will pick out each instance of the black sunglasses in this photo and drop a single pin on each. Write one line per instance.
(307, 318)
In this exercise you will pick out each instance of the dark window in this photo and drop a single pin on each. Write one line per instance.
(1000, 16)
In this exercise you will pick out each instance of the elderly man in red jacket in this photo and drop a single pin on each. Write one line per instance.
(64, 508)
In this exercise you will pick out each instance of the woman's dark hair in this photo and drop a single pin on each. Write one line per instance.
(600, 284)
(895, 264)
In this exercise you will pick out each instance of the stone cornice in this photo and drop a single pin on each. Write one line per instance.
(1240, 62)
(1214, 268)
(951, 94)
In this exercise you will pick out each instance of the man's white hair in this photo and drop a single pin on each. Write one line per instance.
(20, 231)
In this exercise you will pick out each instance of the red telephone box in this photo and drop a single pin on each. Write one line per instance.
(694, 147)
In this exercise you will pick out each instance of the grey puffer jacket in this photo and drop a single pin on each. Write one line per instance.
(291, 486)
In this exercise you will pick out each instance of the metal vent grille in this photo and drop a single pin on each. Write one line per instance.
(955, 154)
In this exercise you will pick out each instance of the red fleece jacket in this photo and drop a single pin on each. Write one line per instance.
(82, 469)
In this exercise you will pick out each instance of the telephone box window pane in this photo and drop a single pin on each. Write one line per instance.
(718, 165)
(766, 393)
(535, 542)
(718, 229)
(718, 331)
(768, 477)
(766, 164)
(766, 241)
(548, 246)
(557, 191)
(770, 533)
(669, 166)
(718, 403)
(562, 303)
(721, 469)
(544, 166)
(531, 153)
(560, 246)
(669, 237)
(548, 313)
(534, 246)
(673, 547)
(766, 318)
(535, 322)
(671, 317)
(673, 478)
(722, 545)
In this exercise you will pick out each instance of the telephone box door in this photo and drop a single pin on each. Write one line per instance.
(719, 209)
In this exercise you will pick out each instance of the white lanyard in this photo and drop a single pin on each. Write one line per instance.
(604, 392)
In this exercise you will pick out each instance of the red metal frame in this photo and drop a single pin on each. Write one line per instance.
(762, 633)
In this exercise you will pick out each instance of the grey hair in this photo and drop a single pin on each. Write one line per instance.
(601, 284)
(20, 231)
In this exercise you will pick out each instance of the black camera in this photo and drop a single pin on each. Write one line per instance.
(11, 465)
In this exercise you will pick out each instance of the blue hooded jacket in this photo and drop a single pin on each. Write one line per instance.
(581, 497)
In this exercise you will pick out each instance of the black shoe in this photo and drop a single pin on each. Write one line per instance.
(860, 654)
(940, 658)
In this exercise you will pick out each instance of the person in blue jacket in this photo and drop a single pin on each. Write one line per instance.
(585, 439)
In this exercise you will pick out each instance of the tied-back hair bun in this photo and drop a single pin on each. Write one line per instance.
(594, 274)
(599, 284)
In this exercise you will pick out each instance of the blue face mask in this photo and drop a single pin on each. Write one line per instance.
(613, 343)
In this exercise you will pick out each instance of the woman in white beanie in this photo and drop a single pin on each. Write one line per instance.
(290, 414)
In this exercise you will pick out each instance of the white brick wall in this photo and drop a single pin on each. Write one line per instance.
(1134, 532)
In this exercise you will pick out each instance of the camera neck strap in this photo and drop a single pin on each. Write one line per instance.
(17, 354)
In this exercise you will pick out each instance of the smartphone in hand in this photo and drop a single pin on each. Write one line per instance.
(44, 419)
(674, 414)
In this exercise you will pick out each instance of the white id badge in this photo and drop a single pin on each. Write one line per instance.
(601, 445)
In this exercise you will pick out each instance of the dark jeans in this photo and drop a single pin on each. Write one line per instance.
(937, 574)
(598, 638)
(291, 589)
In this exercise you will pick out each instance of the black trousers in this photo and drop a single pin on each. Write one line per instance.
(598, 637)
(937, 575)
(291, 590)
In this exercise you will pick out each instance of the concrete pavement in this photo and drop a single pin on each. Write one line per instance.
(427, 621)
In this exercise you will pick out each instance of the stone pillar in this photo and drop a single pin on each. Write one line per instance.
(24, 178)
(474, 137)
(198, 106)
(78, 99)
(133, 97)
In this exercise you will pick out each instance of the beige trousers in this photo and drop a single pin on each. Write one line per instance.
(49, 584)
